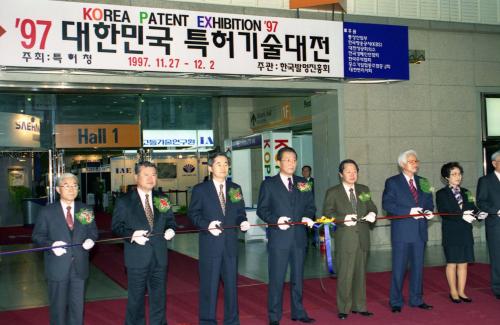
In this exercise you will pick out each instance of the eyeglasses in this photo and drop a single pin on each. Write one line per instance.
(289, 160)
(413, 161)
(67, 187)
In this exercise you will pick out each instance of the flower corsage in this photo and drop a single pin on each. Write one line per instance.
(162, 204)
(235, 195)
(85, 216)
(425, 185)
(365, 196)
(304, 187)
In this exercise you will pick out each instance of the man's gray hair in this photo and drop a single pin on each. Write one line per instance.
(495, 155)
(403, 157)
(61, 178)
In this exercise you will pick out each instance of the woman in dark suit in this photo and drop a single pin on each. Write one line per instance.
(458, 242)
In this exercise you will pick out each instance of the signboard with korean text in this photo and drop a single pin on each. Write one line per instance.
(177, 138)
(98, 136)
(72, 35)
(374, 51)
(272, 142)
(19, 130)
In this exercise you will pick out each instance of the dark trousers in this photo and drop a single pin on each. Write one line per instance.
(152, 278)
(278, 260)
(402, 254)
(212, 269)
(351, 279)
(66, 300)
(493, 239)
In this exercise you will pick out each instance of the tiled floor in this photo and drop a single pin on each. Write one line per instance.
(23, 284)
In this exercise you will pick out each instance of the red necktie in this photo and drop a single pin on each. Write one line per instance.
(413, 191)
(69, 218)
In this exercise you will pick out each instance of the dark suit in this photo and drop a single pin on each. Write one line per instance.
(285, 246)
(352, 245)
(146, 265)
(66, 274)
(408, 236)
(456, 232)
(488, 200)
(218, 255)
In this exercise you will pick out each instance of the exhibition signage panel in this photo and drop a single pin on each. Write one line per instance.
(98, 136)
(110, 37)
(272, 142)
(94, 36)
(19, 130)
(177, 138)
(374, 51)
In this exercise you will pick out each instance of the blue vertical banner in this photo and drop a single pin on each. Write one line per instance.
(373, 51)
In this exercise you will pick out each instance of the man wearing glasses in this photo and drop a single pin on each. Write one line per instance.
(408, 194)
(286, 198)
(66, 222)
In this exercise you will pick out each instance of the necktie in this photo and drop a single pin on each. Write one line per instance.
(458, 195)
(352, 198)
(222, 199)
(149, 212)
(69, 218)
(290, 184)
(413, 191)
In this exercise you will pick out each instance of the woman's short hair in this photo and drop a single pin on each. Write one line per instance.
(448, 167)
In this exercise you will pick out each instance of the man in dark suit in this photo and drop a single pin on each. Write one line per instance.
(146, 217)
(352, 205)
(306, 173)
(286, 198)
(488, 200)
(66, 222)
(408, 194)
(214, 205)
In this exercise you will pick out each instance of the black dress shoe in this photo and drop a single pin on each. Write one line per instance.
(304, 320)
(342, 316)
(396, 309)
(363, 313)
(456, 301)
(274, 323)
(465, 299)
(425, 306)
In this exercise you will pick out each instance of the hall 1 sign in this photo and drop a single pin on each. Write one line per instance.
(98, 136)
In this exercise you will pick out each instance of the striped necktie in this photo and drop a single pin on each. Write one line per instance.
(413, 191)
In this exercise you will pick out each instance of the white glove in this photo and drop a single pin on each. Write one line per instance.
(139, 236)
(283, 220)
(467, 216)
(309, 222)
(416, 210)
(428, 214)
(212, 227)
(498, 213)
(370, 217)
(88, 244)
(482, 215)
(60, 250)
(245, 226)
(348, 220)
(169, 234)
